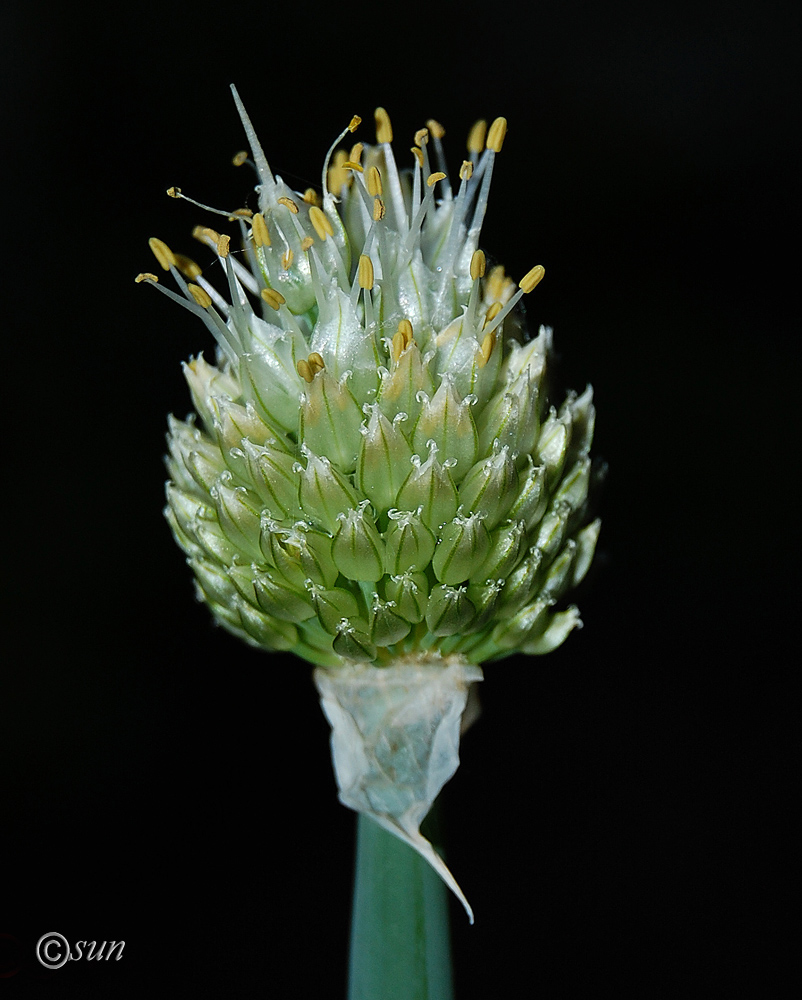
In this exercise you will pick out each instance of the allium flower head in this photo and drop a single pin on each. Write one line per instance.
(376, 469)
(374, 477)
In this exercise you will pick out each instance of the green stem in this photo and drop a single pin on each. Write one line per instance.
(400, 948)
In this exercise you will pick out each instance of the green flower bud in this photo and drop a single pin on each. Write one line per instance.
(350, 350)
(262, 590)
(257, 628)
(357, 548)
(185, 510)
(352, 642)
(463, 547)
(409, 592)
(517, 630)
(384, 460)
(484, 597)
(585, 547)
(521, 582)
(235, 424)
(312, 550)
(490, 487)
(214, 583)
(273, 369)
(405, 386)
(430, 489)
(206, 384)
(512, 417)
(553, 528)
(533, 498)
(446, 419)
(330, 421)
(332, 606)
(204, 468)
(555, 633)
(573, 489)
(558, 576)
(449, 610)
(507, 546)
(271, 473)
(410, 544)
(325, 492)
(239, 515)
(553, 444)
(387, 626)
(214, 543)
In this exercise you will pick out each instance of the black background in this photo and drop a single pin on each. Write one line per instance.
(618, 816)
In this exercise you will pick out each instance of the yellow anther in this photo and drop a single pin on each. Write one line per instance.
(353, 165)
(398, 345)
(174, 192)
(287, 258)
(402, 338)
(477, 136)
(378, 209)
(273, 298)
(532, 278)
(321, 222)
(163, 254)
(146, 276)
(478, 264)
(200, 296)
(290, 204)
(495, 137)
(486, 349)
(187, 266)
(261, 237)
(240, 213)
(466, 170)
(374, 181)
(355, 156)
(421, 137)
(354, 124)
(240, 158)
(365, 272)
(435, 128)
(337, 176)
(305, 371)
(311, 197)
(203, 234)
(316, 363)
(223, 242)
(384, 130)
(306, 243)
(432, 179)
(492, 312)
(494, 285)
(418, 155)
(406, 331)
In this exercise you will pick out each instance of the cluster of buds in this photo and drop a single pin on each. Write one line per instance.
(377, 470)
(377, 476)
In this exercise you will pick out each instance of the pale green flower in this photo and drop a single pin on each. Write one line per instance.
(376, 469)
(376, 474)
